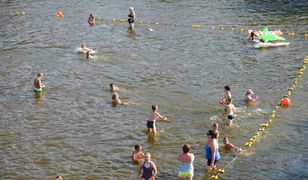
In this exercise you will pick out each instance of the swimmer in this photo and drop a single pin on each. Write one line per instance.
(148, 169)
(211, 150)
(137, 155)
(215, 129)
(91, 20)
(84, 49)
(186, 167)
(252, 36)
(154, 116)
(131, 18)
(251, 98)
(227, 95)
(38, 85)
(117, 101)
(229, 110)
(89, 56)
(229, 145)
(58, 178)
(113, 87)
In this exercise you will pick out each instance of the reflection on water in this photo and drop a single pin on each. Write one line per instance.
(73, 130)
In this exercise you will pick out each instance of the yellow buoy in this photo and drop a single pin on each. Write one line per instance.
(242, 30)
(222, 28)
(195, 26)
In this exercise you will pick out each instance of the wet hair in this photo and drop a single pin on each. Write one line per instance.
(39, 74)
(215, 125)
(154, 107)
(114, 96)
(111, 85)
(90, 14)
(227, 88)
(212, 134)
(137, 147)
(186, 148)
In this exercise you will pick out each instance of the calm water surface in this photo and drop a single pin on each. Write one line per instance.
(73, 130)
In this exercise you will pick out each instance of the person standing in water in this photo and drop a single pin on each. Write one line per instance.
(227, 95)
(91, 20)
(211, 150)
(131, 18)
(38, 85)
(148, 169)
(186, 167)
(229, 110)
(154, 116)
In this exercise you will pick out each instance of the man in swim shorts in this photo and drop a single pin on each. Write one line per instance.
(229, 109)
(38, 86)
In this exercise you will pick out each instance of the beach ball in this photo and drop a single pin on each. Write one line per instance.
(285, 102)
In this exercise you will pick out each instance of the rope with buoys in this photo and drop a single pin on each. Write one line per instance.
(212, 26)
(284, 102)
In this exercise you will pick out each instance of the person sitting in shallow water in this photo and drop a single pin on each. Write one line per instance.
(38, 85)
(117, 101)
(229, 145)
(251, 98)
(137, 155)
(113, 87)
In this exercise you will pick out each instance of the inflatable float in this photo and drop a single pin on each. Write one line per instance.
(270, 44)
(259, 33)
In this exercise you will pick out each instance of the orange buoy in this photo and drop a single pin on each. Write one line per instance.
(285, 102)
(60, 14)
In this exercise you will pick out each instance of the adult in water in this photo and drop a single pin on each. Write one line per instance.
(91, 20)
(211, 150)
(186, 167)
(131, 18)
(38, 85)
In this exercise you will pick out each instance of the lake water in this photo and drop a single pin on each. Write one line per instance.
(73, 130)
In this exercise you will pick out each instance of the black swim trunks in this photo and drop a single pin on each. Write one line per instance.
(150, 124)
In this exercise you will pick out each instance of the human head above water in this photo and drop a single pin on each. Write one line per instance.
(131, 9)
(215, 126)
(147, 156)
(138, 147)
(227, 88)
(226, 140)
(186, 148)
(249, 91)
(154, 107)
(83, 45)
(212, 134)
(39, 74)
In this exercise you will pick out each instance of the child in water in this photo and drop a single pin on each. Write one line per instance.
(84, 49)
(38, 85)
(117, 101)
(148, 169)
(137, 155)
(131, 18)
(229, 110)
(229, 145)
(91, 20)
(251, 98)
(215, 129)
(154, 116)
(227, 95)
(113, 87)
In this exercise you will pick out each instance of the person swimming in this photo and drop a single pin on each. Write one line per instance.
(113, 87)
(91, 20)
(38, 85)
(251, 98)
(84, 49)
(229, 110)
(89, 56)
(131, 18)
(117, 101)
